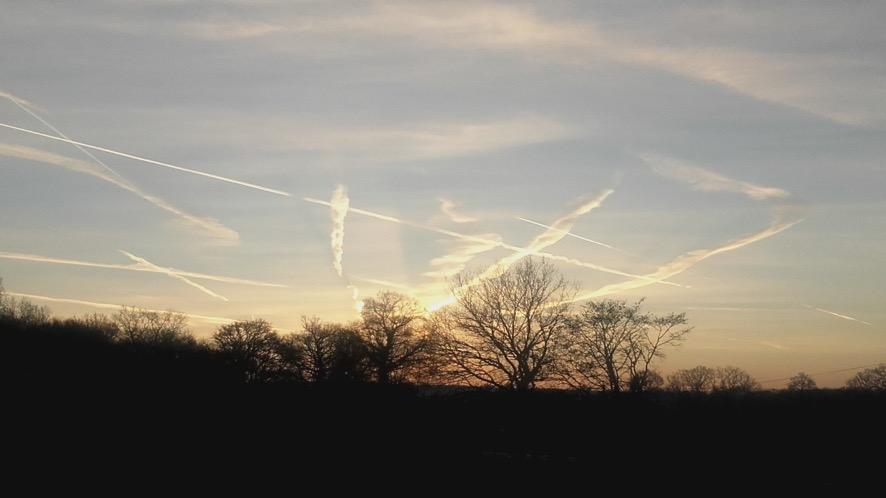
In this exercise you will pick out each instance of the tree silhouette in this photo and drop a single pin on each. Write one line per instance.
(700, 379)
(734, 379)
(801, 382)
(504, 330)
(612, 344)
(137, 326)
(390, 334)
(251, 347)
(870, 379)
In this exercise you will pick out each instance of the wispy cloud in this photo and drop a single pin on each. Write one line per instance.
(209, 225)
(447, 207)
(706, 180)
(838, 315)
(168, 271)
(210, 319)
(73, 262)
(149, 161)
(464, 251)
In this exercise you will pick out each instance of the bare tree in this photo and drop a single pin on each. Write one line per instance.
(870, 379)
(139, 326)
(734, 379)
(390, 332)
(612, 345)
(251, 346)
(318, 341)
(700, 379)
(504, 330)
(802, 382)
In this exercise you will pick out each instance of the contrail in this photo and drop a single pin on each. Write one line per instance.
(686, 261)
(173, 274)
(708, 181)
(570, 234)
(339, 210)
(24, 106)
(149, 161)
(44, 259)
(838, 315)
(211, 319)
(383, 283)
(503, 245)
(211, 226)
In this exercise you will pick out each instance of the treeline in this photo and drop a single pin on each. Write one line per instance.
(515, 330)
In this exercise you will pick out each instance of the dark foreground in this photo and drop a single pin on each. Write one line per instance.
(93, 410)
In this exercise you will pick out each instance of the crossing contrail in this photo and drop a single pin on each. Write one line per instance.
(167, 271)
(72, 262)
(24, 106)
(149, 161)
(509, 247)
(211, 226)
(568, 233)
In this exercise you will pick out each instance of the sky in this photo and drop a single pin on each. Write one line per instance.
(275, 159)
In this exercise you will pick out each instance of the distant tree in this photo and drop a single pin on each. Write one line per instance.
(801, 382)
(871, 379)
(698, 379)
(504, 330)
(22, 311)
(349, 361)
(612, 344)
(649, 380)
(734, 379)
(101, 323)
(140, 326)
(251, 347)
(391, 335)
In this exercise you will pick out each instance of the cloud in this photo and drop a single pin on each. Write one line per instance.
(406, 141)
(73, 262)
(167, 271)
(150, 161)
(447, 207)
(708, 181)
(209, 226)
(210, 319)
(226, 31)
